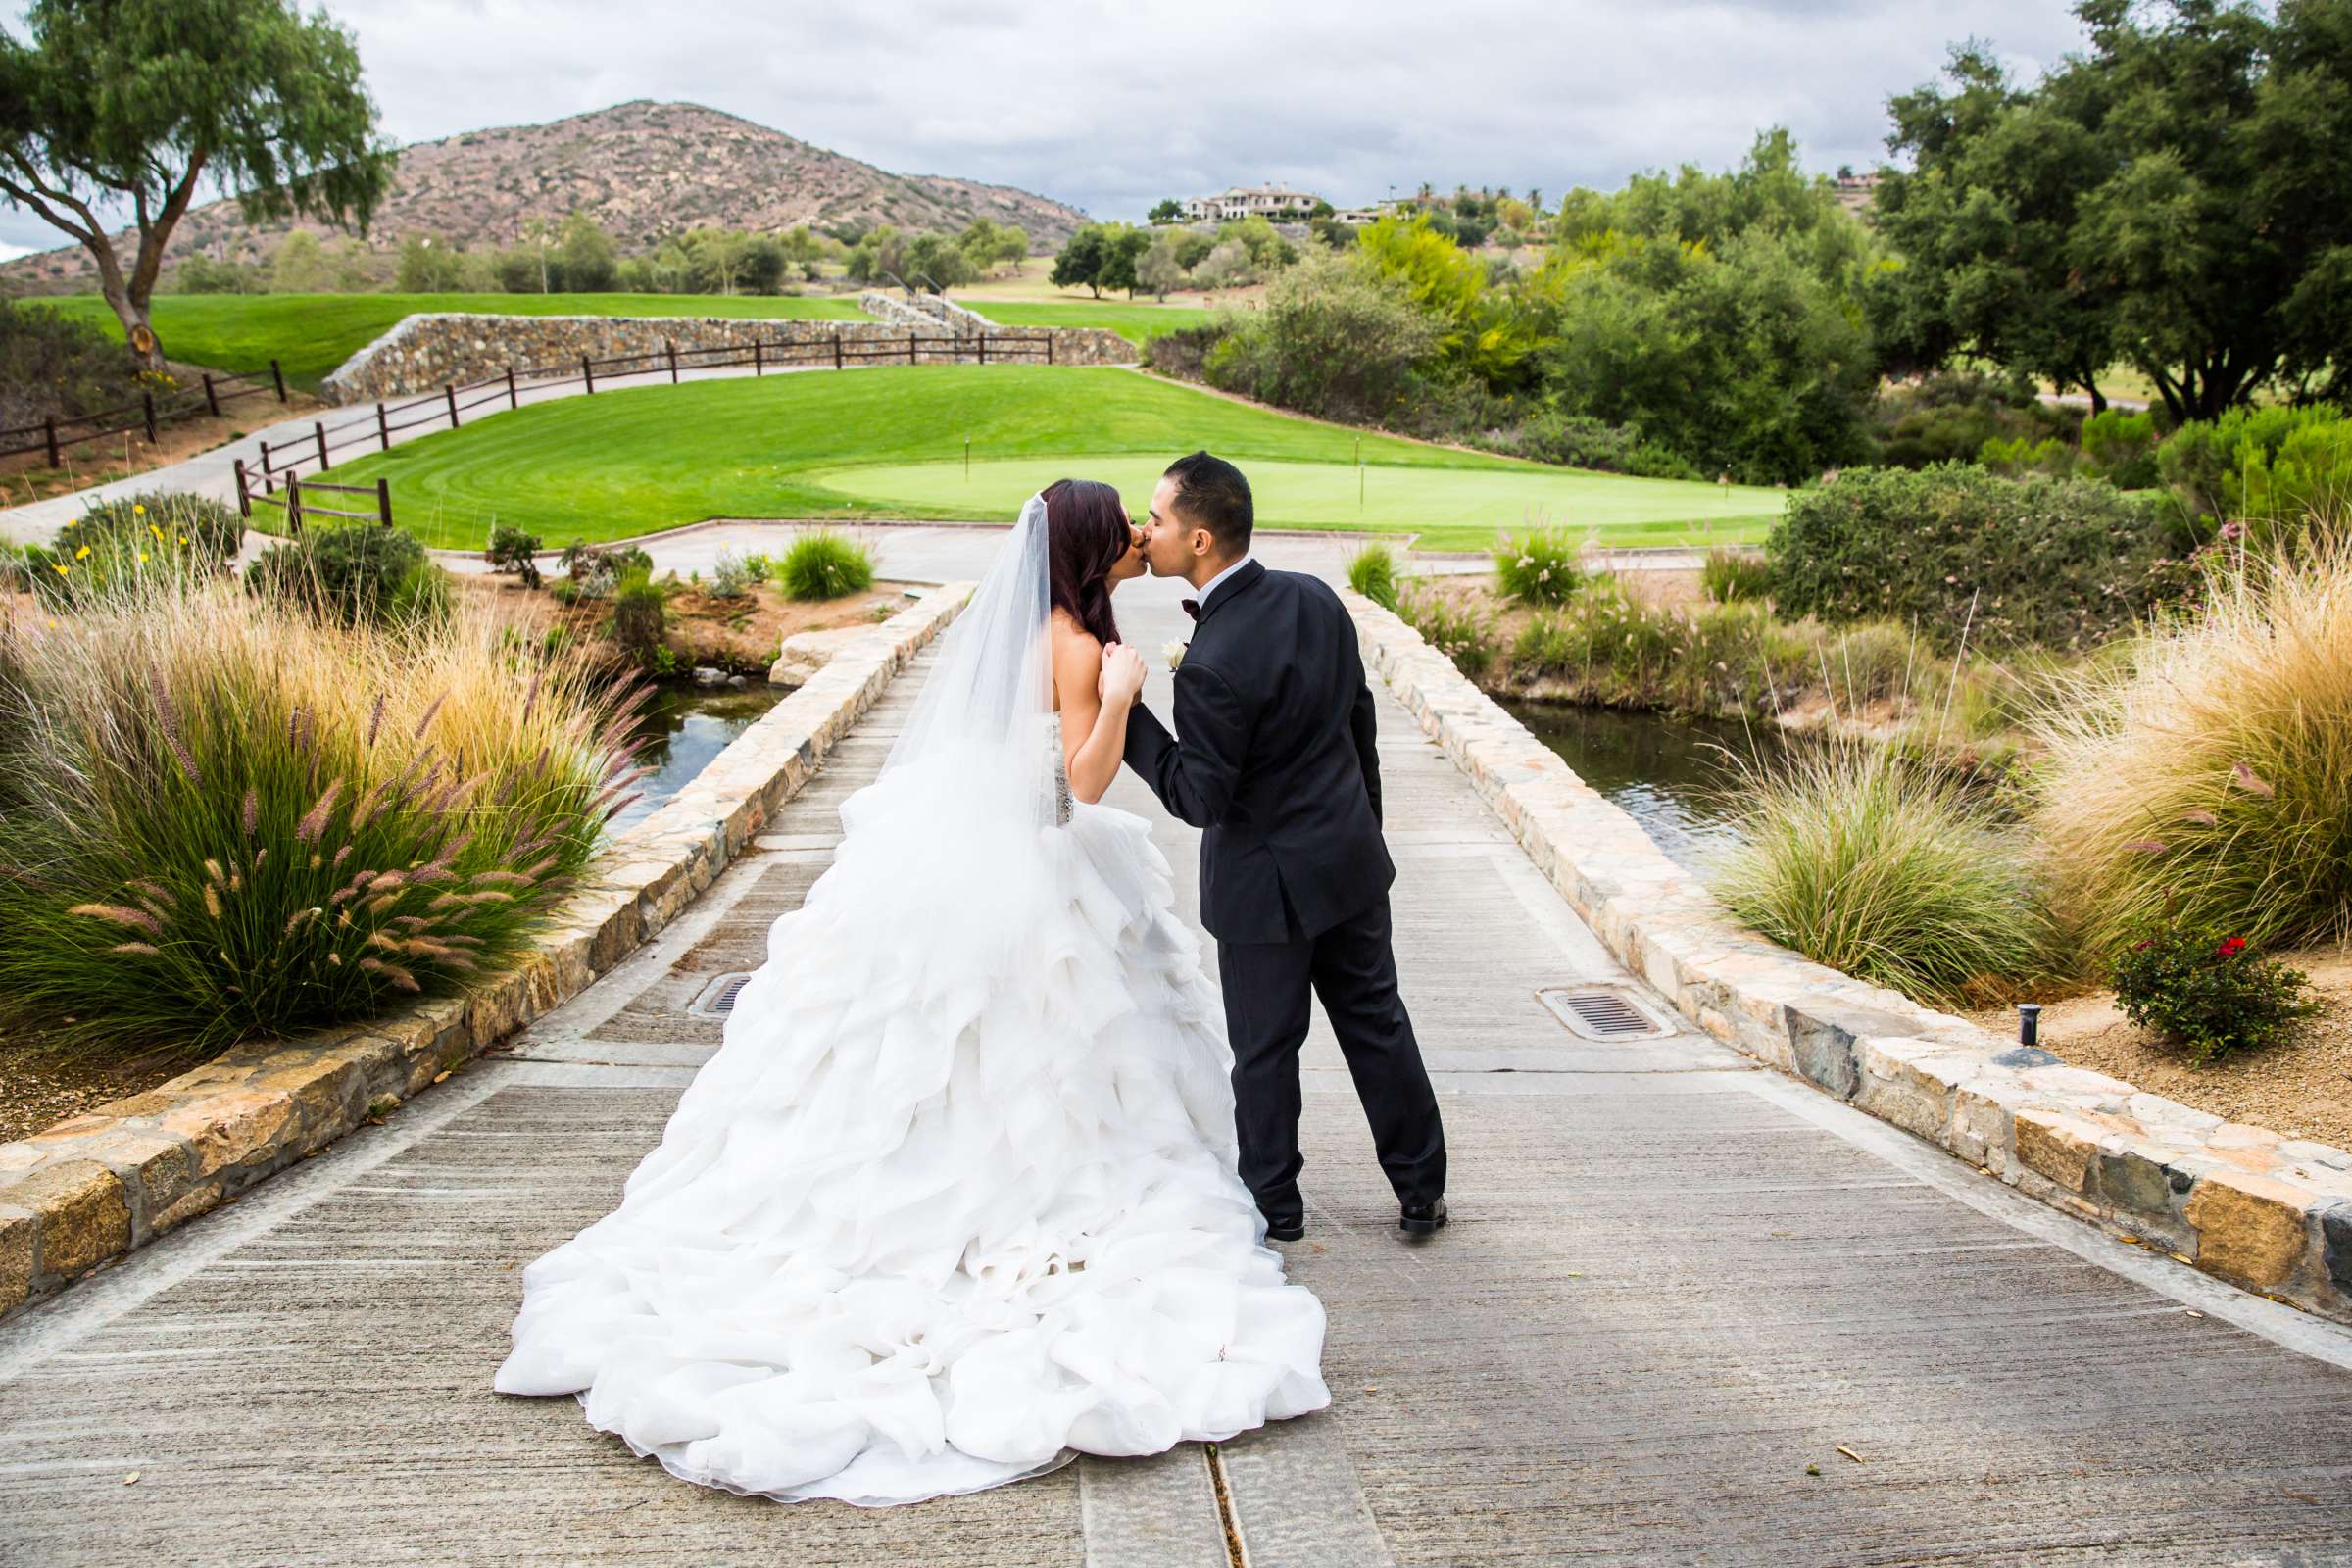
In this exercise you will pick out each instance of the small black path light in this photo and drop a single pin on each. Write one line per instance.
(2028, 1024)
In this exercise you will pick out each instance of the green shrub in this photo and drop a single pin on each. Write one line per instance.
(1890, 872)
(1460, 631)
(156, 537)
(2303, 488)
(61, 365)
(594, 568)
(731, 575)
(2120, 447)
(1184, 353)
(2063, 562)
(825, 565)
(515, 550)
(640, 612)
(352, 573)
(1949, 416)
(2208, 992)
(1539, 566)
(1579, 441)
(1732, 575)
(2015, 457)
(1372, 572)
(1329, 339)
(2204, 460)
(220, 817)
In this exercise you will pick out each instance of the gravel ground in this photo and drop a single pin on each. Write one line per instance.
(2302, 1088)
(38, 1090)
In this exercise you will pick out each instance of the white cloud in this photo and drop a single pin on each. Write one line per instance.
(1111, 105)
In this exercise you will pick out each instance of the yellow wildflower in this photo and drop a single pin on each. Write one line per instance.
(143, 558)
(61, 568)
(82, 553)
(183, 538)
(137, 509)
(153, 529)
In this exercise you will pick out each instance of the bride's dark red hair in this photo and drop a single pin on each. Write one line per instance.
(1086, 534)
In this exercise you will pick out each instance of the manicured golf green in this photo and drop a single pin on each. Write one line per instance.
(890, 443)
(311, 334)
(1450, 508)
(1138, 323)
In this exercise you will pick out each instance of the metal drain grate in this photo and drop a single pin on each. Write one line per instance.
(717, 999)
(1600, 1015)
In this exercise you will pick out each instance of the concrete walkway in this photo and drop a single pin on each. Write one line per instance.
(1688, 1311)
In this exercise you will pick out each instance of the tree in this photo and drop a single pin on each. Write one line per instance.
(299, 266)
(2176, 197)
(1123, 250)
(802, 250)
(538, 237)
(114, 102)
(1159, 271)
(587, 256)
(763, 263)
(1193, 247)
(1012, 246)
(1168, 211)
(937, 263)
(717, 258)
(1081, 261)
(427, 267)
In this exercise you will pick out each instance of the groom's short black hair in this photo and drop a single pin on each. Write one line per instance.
(1214, 496)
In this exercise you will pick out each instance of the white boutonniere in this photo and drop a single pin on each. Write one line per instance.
(1173, 653)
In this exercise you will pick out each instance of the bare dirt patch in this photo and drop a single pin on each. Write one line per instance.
(27, 476)
(2302, 1087)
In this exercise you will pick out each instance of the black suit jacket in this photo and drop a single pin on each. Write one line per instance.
(1276, 761)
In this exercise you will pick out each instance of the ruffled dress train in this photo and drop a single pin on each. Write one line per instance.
(953, 1201)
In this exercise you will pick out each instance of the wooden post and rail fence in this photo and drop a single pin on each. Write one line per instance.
(54, 435)
(281, 468)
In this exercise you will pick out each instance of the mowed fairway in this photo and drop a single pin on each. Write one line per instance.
(311, 334)
(1138, 322)
(890, 443)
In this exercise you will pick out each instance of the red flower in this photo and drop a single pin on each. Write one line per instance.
(2231, 948)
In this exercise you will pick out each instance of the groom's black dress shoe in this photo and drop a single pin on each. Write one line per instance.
(1422, 1220)
(1285, 1226)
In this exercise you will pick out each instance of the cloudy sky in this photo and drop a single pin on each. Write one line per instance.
(1111, 106)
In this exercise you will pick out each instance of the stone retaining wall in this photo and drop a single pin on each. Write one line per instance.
(2272, 1215)
(94, 1187)
(426, 352)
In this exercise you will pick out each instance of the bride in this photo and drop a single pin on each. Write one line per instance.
(955, 1197)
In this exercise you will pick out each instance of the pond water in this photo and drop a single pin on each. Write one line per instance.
(693, 723)
(1669, 774)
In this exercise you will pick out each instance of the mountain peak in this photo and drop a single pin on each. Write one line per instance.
(645, 169)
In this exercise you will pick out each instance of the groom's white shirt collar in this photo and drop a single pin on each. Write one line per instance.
(1211, 586)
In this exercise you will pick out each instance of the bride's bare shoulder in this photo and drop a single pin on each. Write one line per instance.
(1077, 659)
(1068, 634)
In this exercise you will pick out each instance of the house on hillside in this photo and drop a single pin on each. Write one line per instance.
(1275, 203)
(1854, 190)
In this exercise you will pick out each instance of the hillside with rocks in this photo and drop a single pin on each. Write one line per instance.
(645, 170)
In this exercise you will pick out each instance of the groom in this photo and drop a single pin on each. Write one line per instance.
(1276, 764)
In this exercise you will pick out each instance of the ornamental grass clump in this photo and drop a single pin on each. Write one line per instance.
(1372, 572)
(825, 565)
(2207, 777)
(1890, 871)
(222, 816)
(1539, 566)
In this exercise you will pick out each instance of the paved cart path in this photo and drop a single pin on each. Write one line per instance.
(1675, 1285)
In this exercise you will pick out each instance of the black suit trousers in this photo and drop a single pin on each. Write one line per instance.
(1353, 971)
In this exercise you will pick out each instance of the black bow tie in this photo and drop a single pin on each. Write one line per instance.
(1191, 608)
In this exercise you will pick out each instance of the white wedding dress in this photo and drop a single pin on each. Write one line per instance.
(955, 1197)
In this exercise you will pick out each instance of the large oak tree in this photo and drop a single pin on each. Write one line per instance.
(2176, 196)
(144, 102)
